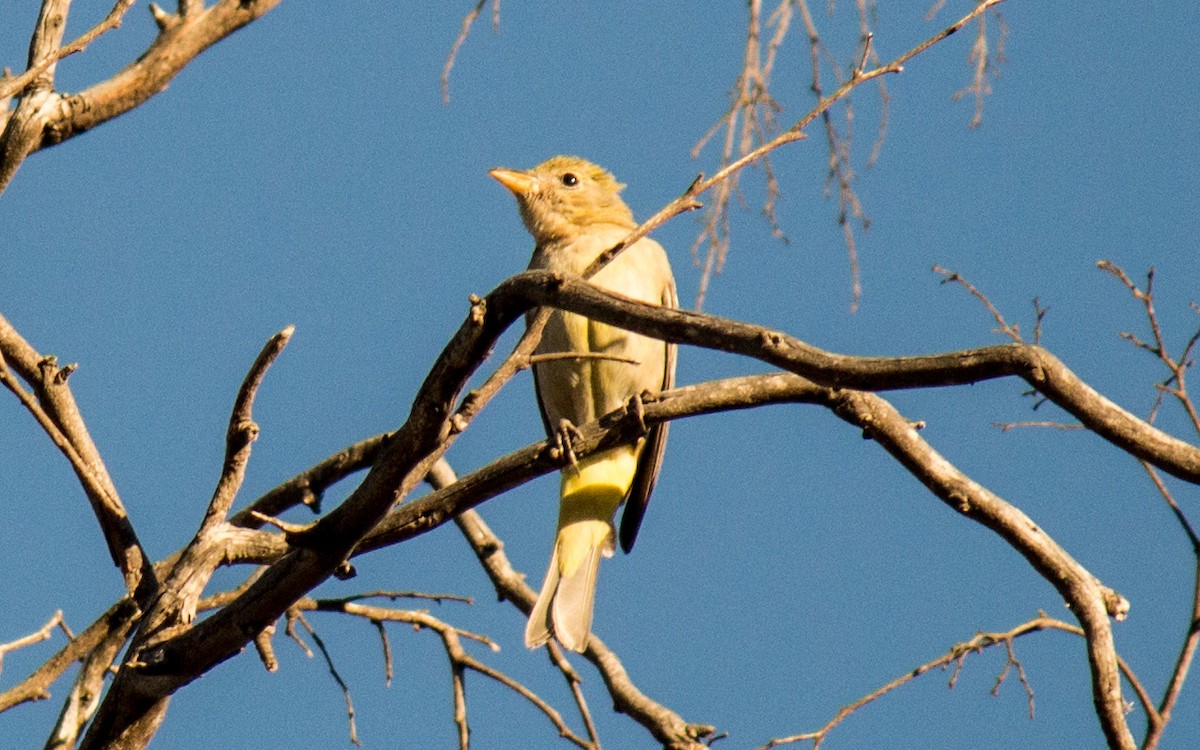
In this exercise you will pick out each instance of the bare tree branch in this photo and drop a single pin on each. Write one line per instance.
(13, 84)
(170, 650)
(41, 634)
(43, 117)
(463, 32)
(58, 414)
(106, 635)
(666, 726)
(956, 656)
(190, 572)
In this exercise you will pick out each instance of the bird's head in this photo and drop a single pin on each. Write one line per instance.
(565, 195)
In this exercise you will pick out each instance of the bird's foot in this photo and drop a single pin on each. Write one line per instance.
(637, 406)
(563, 437)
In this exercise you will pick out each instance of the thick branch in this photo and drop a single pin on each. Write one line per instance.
(1091, 603)
(1035, 365)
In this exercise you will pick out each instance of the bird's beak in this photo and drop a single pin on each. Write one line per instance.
(520, 183)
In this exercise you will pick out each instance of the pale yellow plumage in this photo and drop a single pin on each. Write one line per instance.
(574, 212)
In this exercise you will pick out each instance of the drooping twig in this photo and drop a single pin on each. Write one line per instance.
(460, 660)
(1156, 720)
(337, 677)
(464, 30)
(985, 63)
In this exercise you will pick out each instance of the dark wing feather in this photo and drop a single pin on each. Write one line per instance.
(651, 459)
(537, 388)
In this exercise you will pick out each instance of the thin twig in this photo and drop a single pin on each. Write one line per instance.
(955, 656)
(952, 277)
(463, 32)
(10, 86)
(394, 595)
(667, 726)
(460, 659)
(1156, 721)
(39, 635)
(1007, 426)
(299, 617)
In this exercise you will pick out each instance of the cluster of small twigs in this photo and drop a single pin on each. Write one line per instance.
(1175, 386)
(752, 120)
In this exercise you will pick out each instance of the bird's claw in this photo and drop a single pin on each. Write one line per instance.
(637, 405)
(563, 438)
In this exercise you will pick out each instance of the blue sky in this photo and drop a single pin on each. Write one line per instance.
(306, 171)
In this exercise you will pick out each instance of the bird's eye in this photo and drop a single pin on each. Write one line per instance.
(570, 180)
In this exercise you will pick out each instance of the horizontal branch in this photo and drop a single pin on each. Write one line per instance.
(427, 513)
(1035, 365)
(518, 467)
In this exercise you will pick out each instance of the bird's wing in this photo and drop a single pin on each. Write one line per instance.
(651, 459)
(537, 390)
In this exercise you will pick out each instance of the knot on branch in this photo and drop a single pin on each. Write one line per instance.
(345, 571)
(246, 431)
(52, 374)
(458, 423)
(478, 309)
(772, 339)
(1116, 605)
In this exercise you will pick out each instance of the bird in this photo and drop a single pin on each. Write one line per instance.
(574, 211)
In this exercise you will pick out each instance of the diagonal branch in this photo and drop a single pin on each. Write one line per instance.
(44, 118)
(190, 571)
(54, 407)
(667, 726)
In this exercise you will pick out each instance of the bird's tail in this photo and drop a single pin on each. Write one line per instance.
(590, 495)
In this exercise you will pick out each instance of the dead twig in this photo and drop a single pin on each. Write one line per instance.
(463, 32)
(955, 657)
(11, 85)
(41, 634)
